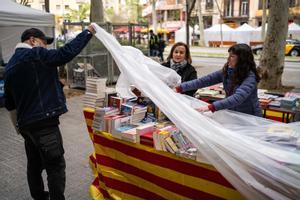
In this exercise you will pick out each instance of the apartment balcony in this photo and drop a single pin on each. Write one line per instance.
(233, 18)
(293, 11)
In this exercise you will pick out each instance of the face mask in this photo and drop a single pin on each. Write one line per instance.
(36, 44)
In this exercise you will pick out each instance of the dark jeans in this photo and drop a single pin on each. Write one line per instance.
(153, 52)
(161, 56)
(44, 150)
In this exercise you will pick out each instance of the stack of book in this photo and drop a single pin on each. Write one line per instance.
(275, 103)
(138, 114)
(100, 114)
(288, 102)
(265, 99)
(130, 136)
(136, 111)
(118, 132)
(95, 92)
(115, 124)
(147, 139)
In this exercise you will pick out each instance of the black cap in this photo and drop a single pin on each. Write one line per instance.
(34, 32)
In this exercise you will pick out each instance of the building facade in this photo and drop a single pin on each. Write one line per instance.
(57, 7)
(237, 12)
(171, 13)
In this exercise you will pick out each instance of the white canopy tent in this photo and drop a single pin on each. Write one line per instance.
(14, 19)
(294, 30)
(244, 34)
(214, 33)
(180, 35)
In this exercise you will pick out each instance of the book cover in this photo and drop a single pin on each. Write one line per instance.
(115, 102)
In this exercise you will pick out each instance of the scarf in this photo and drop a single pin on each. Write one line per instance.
(23, 45)
(178, 66)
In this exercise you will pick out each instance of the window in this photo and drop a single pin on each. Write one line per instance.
(244, 8)
(58, 7)
(294, 3)
(178, 2)
(209, 4)
(160, 16)
(260, 4)
(173, 15)
(67, 7)
(228, 8)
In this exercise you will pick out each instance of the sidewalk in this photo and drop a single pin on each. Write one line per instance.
(78, 147)
(218, 52)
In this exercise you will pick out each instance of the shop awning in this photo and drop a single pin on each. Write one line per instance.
(124, 29)
(160, 30)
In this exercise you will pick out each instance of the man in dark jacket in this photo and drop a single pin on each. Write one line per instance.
(153, 44)
(34, 96)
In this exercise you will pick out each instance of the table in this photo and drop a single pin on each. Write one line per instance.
(126, 170)
(270, 112)
(286, 114)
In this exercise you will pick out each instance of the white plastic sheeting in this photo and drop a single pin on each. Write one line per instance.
(233, 142)
(14, 19)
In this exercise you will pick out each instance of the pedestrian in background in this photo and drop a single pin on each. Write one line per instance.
(34, 96)
(240, 79)
(153, 44)
(180, 60)
(161, 47)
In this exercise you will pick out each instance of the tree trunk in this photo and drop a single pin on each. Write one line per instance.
(201, 26)
(23, 2)
(47, 6)
(263, 20)
(221, 21)
(154, 18)
(272, 60)
(96, 14)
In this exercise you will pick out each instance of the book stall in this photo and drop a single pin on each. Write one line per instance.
(276, 106)
(133, 138)
(157, 146)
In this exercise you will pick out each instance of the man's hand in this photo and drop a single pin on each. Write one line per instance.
(91, 29)
(13, 118)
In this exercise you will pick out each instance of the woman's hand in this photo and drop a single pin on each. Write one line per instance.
(203, 109)
(177, 89)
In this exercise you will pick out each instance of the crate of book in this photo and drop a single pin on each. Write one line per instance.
(151, 160)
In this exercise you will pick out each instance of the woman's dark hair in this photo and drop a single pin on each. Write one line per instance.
(245, 63)
(187, 52)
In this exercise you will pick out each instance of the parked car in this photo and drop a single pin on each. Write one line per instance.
(292, 48)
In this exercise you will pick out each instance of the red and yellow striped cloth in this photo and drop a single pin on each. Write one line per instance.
(125, 170)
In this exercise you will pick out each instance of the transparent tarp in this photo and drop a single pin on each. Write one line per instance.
(259, 157)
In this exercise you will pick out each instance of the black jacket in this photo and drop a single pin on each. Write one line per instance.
(187, 74)
(31, 82)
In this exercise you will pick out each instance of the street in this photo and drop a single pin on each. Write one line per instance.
(205, 65)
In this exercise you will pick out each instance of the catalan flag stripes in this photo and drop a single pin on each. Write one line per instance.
(132, 171)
